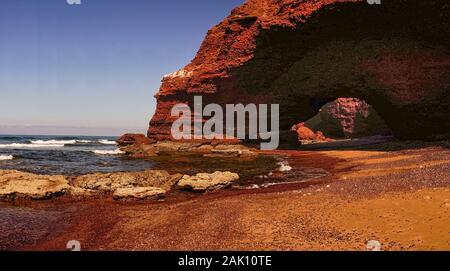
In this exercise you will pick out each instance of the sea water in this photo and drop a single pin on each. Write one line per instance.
(68, 155)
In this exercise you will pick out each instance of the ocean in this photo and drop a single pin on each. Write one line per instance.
(68, 155)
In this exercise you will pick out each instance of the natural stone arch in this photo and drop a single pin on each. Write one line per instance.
(395, 56)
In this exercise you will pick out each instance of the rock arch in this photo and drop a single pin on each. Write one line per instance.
(301, 54)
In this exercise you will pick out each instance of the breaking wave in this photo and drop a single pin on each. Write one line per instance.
(6, 157)
(107, 142)
(55, 143)
(108, 152)
(30, 145)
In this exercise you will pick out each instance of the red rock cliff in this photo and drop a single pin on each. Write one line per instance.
(303, 54)
(348, 118)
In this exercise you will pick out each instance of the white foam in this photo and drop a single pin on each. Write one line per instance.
(6, 157)
(53, 142)
(84, 141)
(284, 166)
(107, 142)
(108, 152)
(30, 146)
(59, 142)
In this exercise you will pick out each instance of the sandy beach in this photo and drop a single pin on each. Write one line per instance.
(399, 197)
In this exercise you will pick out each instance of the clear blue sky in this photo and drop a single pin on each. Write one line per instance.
(97, 64)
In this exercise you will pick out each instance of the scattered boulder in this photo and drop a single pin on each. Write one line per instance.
(141, 193)
(134, 139)
(15, 184)
(137, 145)
(202, 182)
(306, 135)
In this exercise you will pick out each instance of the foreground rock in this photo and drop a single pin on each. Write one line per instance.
(139, 146)
(110, 182)
(206, 182)
(151, 184)
(140, 193)
(145, 185)
(16, 184)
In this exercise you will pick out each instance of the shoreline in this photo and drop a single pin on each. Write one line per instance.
(368, 195)
(395, 192)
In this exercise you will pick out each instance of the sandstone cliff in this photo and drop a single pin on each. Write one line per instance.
(304, 54)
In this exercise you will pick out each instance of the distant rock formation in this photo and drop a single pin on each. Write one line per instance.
(139, 146)
(348, 118)
(306, 135)
(133, 139)
(304, 54)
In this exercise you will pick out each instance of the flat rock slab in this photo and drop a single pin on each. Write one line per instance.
(110, 182)
(15, 184)
(202, 182)
(141, 193)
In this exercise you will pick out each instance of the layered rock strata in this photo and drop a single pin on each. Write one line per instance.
(304, 54)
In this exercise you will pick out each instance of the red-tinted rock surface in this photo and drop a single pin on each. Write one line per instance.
(347, 118)
(304, 54)
(305, 134)
(134, 139)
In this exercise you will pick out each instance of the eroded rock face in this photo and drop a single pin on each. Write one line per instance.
(15, 184)
(202, 182)
(304, 54)
(133, 139)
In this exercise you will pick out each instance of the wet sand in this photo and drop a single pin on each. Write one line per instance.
(398, 196)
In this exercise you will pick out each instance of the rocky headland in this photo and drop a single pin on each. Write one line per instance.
(305, 54)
